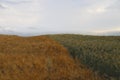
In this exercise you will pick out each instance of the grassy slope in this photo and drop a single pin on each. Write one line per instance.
(101, 54)
(38, 58)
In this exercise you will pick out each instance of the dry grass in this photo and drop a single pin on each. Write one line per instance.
(38, 58)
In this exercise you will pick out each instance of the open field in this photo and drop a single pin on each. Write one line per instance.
(99, 53)
(39, 58)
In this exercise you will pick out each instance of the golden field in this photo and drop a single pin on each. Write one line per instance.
(39, 58)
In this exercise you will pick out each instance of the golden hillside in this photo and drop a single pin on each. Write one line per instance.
(38, 58)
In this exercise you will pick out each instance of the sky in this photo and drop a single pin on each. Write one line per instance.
(59, 16)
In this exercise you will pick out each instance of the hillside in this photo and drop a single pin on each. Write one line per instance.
(99, 53)
(38, 58)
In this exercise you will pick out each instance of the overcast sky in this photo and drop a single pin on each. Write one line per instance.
(44, 16)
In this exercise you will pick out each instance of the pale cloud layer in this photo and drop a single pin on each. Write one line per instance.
(46, 16)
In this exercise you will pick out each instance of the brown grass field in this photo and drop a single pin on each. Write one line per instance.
(38, 58)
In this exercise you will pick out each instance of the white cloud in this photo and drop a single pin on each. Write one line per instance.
(62, 15)
(20, 15)
(100, 6)
(116, 29)
(3, 6)
(97, 10)
(6, 28)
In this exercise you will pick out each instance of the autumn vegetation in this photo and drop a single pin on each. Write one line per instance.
(42, 58)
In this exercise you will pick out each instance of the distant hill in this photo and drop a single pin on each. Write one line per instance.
(13, 32)
(111, 33)
(8, 32)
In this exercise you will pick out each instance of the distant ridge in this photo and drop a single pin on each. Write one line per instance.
(112, 33)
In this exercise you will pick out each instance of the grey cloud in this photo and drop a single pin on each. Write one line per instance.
(32, 28)
(4, 28)
(2, 7)
(19, 2)
(115, 6)
(15, 2)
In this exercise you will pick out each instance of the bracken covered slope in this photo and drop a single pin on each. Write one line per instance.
(99, 53)
(38, 58)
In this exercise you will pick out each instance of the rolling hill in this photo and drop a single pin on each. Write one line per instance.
(99, 53)
(39, 58)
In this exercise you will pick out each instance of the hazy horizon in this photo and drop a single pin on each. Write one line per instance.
(59, 16)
